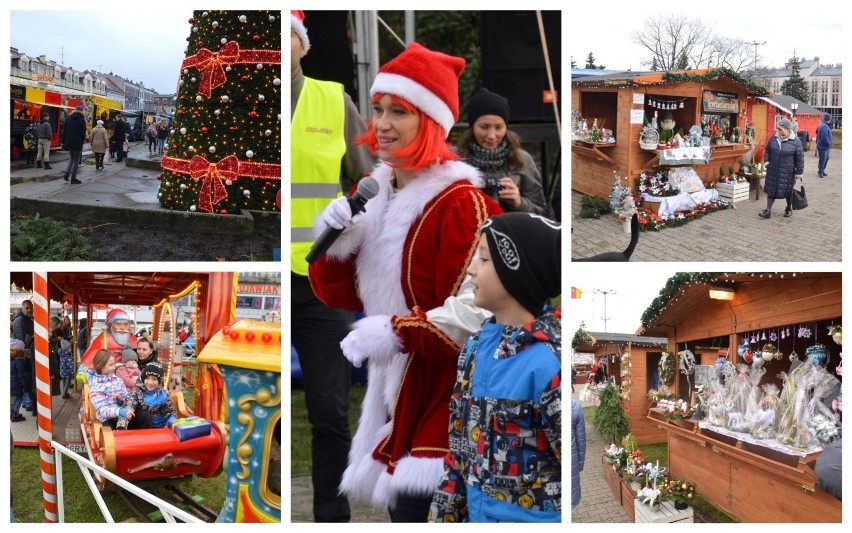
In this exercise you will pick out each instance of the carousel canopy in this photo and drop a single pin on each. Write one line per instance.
(130, 288)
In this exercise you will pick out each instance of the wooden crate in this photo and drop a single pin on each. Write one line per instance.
(615, 486)
(733, 192)
(667, 514)
(627, 500)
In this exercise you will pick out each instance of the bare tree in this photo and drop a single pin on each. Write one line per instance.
(668, 38)
(678, 42)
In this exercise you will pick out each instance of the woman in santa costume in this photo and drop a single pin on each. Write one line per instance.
(402, 262)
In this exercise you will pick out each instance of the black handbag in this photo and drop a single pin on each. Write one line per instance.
(800, 201)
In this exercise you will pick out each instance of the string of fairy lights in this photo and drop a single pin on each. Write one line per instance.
(224, 152)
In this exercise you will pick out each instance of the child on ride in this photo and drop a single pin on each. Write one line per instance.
(112, 403)
(128, 370)
(152, 398)
(66, 366)
(504, 462)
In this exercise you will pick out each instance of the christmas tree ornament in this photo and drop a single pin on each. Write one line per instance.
(223, 40)
(192, 208)
(204, 130)
(182, 131)
(215, 24)
(243, 19)
(249, 154)
(190, 148)
(228, 68)
(246, 193)
(271, 18)
(192, 79)
(217, 112)
(212, 149)
(276, 81)
(261, 97)
(194, 30)
(198, 98)
(267, 133)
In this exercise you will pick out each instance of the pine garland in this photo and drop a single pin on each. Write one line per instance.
(666, 368)
(715, 73)
(673, 284)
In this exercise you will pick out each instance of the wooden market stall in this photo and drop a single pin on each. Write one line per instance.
(621, 102)
(729, 469)
(628, 357)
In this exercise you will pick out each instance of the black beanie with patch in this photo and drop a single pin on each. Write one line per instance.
(527, 253)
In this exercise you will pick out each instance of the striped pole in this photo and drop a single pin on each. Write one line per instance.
(41, 312)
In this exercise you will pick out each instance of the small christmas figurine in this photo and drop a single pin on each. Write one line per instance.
(595, 137)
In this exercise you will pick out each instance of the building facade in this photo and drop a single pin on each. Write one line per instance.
(825, 85)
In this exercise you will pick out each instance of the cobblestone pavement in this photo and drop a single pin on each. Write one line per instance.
(813, 234)
(597, 504)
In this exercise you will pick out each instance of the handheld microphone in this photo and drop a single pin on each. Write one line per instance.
(367, 188)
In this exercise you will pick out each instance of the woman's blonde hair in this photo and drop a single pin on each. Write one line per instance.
(100, 360)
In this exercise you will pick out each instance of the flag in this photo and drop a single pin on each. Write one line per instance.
(576, 293)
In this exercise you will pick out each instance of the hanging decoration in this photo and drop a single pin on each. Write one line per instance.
(666, 368)
(656, 103)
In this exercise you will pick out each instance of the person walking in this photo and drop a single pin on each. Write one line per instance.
(31, 143)
(578, 450)
(322, 166)
(73, 137)
(100, 143)
(162, 135)
(785, 162)
(118, 138)
(44, 133)
(152, 138)
(403, 262)
(823, 143)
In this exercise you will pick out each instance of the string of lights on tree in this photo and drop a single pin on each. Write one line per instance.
(677, 285)
(224, 152)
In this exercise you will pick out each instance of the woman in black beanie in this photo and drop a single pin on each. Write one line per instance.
(511, 176)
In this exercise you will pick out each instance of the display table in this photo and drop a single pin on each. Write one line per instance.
(667, 514)
(681, 202)
(731, 472)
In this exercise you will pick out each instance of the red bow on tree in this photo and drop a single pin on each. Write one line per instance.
(211, 65)
(213, 174)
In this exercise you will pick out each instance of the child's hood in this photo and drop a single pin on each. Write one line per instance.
(546, 328)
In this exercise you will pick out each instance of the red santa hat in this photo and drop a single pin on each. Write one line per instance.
(428, 80)
(297, 24)
(116, 314)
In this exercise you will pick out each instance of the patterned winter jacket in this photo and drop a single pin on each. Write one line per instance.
(108, 395)
(157, 402)
(504, 463)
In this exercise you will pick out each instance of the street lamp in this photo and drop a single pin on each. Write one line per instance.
(794, 106)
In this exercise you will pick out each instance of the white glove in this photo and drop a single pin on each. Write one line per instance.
(370, 337)
(338, 214)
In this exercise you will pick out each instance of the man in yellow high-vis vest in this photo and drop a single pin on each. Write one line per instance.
(324, 162)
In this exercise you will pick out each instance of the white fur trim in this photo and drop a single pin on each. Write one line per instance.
(373, 338)
(381, 235)
(300, 29)
(422, 98)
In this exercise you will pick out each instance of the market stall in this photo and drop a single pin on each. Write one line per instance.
(613, 111)
(765, 397)
(628, 357)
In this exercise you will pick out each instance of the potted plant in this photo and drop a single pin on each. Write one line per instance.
(680, 492)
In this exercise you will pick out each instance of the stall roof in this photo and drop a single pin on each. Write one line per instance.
(782, 102)
(130, 288)
(652, 77)
(600, 338)
(693, 295)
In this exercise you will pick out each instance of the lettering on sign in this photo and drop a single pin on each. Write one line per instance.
(246, 288)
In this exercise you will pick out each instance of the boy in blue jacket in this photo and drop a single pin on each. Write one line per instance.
(504, 462)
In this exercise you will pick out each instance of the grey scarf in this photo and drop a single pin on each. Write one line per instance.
(493, 160)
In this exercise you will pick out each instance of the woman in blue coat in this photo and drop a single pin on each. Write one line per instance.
(578, 449)
(785, 162)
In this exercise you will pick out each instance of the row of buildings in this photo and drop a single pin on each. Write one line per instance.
(42, 73)
(824, 82)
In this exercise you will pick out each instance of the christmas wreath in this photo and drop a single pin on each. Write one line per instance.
(667, 368)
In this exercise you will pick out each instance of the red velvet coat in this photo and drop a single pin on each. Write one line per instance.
(404, 266)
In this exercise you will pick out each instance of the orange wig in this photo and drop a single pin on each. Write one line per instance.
(427, 148)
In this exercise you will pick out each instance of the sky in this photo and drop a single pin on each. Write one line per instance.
(629, 292)
(782, 25)
(140, 48)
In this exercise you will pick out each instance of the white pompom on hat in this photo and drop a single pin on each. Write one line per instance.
(428, 80)
(297, 24)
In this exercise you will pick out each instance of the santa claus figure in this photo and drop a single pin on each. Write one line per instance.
(116, 337)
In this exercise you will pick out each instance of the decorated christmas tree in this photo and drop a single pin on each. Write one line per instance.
(224, 152)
